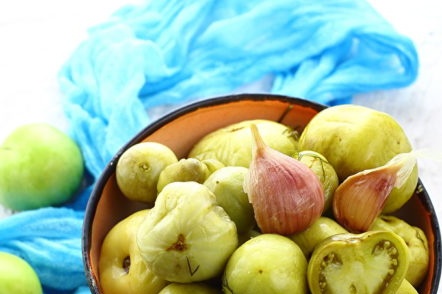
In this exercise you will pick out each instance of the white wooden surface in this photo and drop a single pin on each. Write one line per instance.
(36, 37)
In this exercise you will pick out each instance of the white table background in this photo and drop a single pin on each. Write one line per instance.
(37, 37)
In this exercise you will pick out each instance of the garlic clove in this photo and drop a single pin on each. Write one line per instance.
(285, 194)
(360, 198)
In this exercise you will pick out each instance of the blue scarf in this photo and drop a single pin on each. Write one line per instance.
(149, 58)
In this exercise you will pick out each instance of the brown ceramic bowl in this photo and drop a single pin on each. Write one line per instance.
(181, 129)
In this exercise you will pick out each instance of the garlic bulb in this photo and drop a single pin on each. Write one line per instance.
(285, 194)
(359, 199)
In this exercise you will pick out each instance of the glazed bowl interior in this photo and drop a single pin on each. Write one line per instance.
(182, 128)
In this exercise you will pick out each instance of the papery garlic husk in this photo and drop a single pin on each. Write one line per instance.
(359, 199)
(285, 194)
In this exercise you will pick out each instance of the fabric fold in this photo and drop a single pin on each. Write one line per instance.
(168, 53)
(49, 239)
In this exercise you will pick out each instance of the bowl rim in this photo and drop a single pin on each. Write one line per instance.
(425, 199)
(109, 169)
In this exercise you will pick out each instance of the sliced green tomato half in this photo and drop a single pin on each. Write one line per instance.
(371, 262)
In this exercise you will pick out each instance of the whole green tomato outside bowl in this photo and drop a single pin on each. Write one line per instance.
(182, 128)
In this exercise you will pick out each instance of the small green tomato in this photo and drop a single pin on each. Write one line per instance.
(232, 145)
(139, 168)
(320, 230)
(187, 237)
(416, 241)
(189, 288)
(227, 185)
(39, 166)
(268, 263)
(325, 172)
(121, 268)
(17, 276)
(187, 169)
(371, 262)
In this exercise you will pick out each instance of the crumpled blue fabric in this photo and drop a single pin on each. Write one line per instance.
(157, 55)
(49, 239)
(172, 52)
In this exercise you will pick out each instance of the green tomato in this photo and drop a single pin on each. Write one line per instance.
(268, 263)
(185, 170)
(39, 166)
(121, 268)
(320, 230)
(186, 237)
(189, 288)
(371, 262)
(232, 145)
(227, 185)
(139, 168)
(354, 138)
(325, 172)
(416, 241)
(17, 276)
